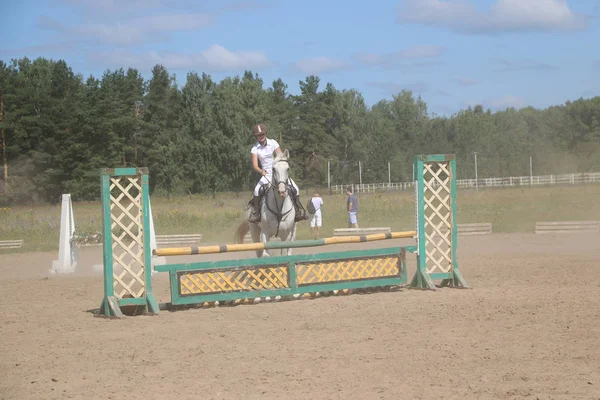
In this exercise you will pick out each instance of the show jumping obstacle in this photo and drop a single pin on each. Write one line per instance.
(128, 266)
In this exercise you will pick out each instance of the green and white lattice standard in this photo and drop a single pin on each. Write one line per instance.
(436, 224)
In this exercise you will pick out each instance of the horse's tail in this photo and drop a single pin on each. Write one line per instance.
(241, 232)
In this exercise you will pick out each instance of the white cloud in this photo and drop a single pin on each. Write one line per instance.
(590, 93)
(466, 82)
(216, 58)
(502, 65)
(318, 65)
(120, 8)
(442, 93)
(417, 87)
(247, 5)
(132, 31)
(394, 88)
(117, 8)
(423, 51)
(503, 16)
(395, 58)
(410, 59)
(51, 49)
(500, 103)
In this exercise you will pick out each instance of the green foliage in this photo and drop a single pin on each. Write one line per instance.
(61, 129)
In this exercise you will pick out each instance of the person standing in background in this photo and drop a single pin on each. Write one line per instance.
(316, 203)
(352, 207)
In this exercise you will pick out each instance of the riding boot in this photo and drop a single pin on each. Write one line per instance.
(300, 212)
(254, 206)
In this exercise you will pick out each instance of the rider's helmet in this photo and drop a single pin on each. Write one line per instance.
(259, 128)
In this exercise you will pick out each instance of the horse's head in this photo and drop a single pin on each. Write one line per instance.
(281, 171)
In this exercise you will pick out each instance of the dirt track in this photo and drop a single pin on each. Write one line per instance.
(529, 328)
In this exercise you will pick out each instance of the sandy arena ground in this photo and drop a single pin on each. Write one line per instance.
(529, 328)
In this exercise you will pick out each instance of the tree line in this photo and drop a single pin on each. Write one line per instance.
(60, 128)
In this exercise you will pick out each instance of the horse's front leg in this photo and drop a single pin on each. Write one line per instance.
(264, 239)
(291, 236)
(257, 237)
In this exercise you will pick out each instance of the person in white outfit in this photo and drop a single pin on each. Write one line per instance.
(262, 151)
(317, 218)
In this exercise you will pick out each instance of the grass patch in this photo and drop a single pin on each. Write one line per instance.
(509, 210)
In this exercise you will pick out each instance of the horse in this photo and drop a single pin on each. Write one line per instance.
(277, 212)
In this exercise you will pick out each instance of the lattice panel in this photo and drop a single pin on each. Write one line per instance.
(211, 282)
(438, 217)
(347, 270)
(127, 236)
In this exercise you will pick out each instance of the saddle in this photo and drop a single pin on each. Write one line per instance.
(300, 211)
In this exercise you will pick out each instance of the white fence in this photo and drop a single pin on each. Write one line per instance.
(511, 181)
(567, 226)
(11, 244)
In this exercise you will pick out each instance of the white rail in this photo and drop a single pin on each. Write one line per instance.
(192, 238)
(567, 226)
(11, 244)
(510, 181)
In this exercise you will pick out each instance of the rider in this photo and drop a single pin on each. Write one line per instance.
(262, 151)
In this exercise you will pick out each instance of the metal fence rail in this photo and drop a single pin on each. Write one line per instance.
(510, 181)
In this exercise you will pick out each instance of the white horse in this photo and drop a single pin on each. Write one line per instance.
(277, 212)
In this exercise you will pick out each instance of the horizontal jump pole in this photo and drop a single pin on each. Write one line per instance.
(188, 251)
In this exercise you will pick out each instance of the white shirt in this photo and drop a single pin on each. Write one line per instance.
(265, 154)
(317, 202)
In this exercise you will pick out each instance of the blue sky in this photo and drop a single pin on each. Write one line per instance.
(453, 53)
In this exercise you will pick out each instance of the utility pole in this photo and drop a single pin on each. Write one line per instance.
(138, 113)
(389, 176)
(476, 179)
(530, 171)
(4, 160)
(360, 175)
(329, 175)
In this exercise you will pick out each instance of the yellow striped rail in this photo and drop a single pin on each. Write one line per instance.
(226, 248)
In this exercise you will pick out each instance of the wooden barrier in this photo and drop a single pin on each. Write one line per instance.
(178, 239)
(360, 231)
(567, 226)
(11, 244)
(475, 229)
(244, 279)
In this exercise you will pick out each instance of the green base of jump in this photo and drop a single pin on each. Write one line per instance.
(456, 281)
(423, 280)
(283, 293)
(111, 306)
(293, 285)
